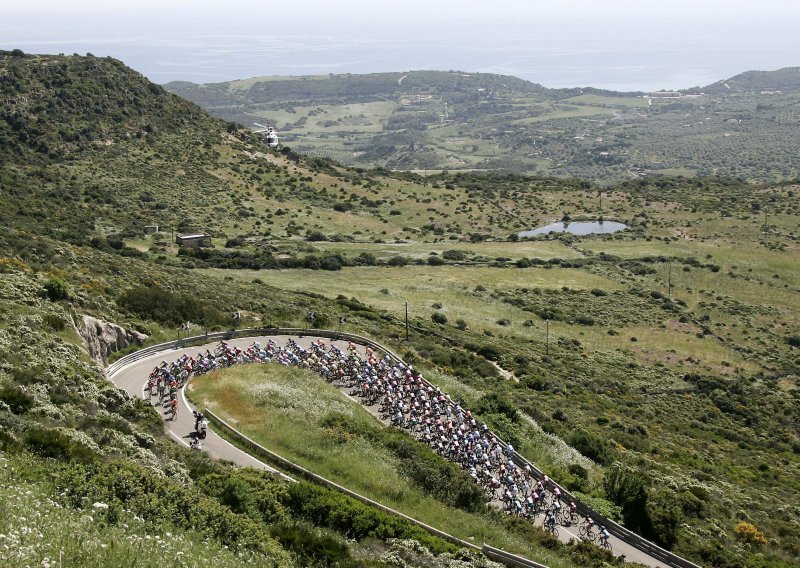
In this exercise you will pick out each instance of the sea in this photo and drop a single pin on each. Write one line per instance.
(615, 44)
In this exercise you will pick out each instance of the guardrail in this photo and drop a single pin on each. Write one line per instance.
(509, 559)
(615, 529)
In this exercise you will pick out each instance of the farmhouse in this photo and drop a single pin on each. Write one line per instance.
(197, 240)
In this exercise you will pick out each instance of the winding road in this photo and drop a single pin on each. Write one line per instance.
(133, 379)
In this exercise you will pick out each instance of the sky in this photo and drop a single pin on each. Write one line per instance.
(614, 44)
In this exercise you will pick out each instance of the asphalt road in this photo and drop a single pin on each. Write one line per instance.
(133, 378)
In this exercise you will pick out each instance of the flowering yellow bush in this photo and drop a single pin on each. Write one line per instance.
(748, 533)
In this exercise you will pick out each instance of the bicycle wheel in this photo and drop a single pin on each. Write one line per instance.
(604, 543)
(591, 536)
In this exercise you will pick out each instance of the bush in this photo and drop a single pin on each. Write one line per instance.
(330, 263)
(324, 507)
(454, 255)
(590, 445)
(18, 401)
(316, 236)
(439, 317)
(57, 289)
(159, 500)
(312, 548)
(55, 444)
(489, 352)
(398, 261)
(746, 532)
(627, 487)
(435, 261)
(497, 405)
(158, 305)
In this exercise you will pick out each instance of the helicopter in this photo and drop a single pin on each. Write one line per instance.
(271, 137)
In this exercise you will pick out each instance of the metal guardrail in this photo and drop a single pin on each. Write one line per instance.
(509, 559)
(617, 530)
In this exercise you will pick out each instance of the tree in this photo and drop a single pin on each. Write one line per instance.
(627, 487)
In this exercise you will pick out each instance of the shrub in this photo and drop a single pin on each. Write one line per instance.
(435, 261)
(316, 236)
(461, 324)
(158, 305)
(498, 405)
(489, 352)
(398, 261)
(439, 317)
(627, 487)
(18, 401)
(330, 263)
(312, 548)
(55, 444)
(746, 532)
(159, 500)
(54, 322)
(324, 507)
(454, 255)
(57, 289)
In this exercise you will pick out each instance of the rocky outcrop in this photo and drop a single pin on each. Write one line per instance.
(102, 338)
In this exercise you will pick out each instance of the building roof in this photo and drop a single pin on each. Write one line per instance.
(197, 236)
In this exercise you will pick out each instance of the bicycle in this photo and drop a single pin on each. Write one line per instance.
(551, 526)
(602, 542)
(587, 533)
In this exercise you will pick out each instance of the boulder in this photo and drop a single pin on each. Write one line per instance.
(103, 338)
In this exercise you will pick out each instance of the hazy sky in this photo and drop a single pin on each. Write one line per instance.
(617, 44)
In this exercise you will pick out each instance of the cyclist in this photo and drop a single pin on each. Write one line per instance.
(603, 537)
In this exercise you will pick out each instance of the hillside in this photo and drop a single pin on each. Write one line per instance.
(654, 371)
(429, 120)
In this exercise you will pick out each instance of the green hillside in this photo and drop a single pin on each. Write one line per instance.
(654, 371)
(745, 127)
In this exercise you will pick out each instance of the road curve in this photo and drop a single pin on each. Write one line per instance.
(133, 379)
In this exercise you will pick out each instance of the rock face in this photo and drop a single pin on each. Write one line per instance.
(102, 338)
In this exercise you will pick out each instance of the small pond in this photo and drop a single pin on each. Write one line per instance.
(577, 228)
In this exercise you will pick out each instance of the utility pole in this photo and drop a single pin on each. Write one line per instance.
(766, 227)
(406, 320)
(547, 336)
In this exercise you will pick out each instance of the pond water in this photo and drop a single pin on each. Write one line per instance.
(577, 228)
